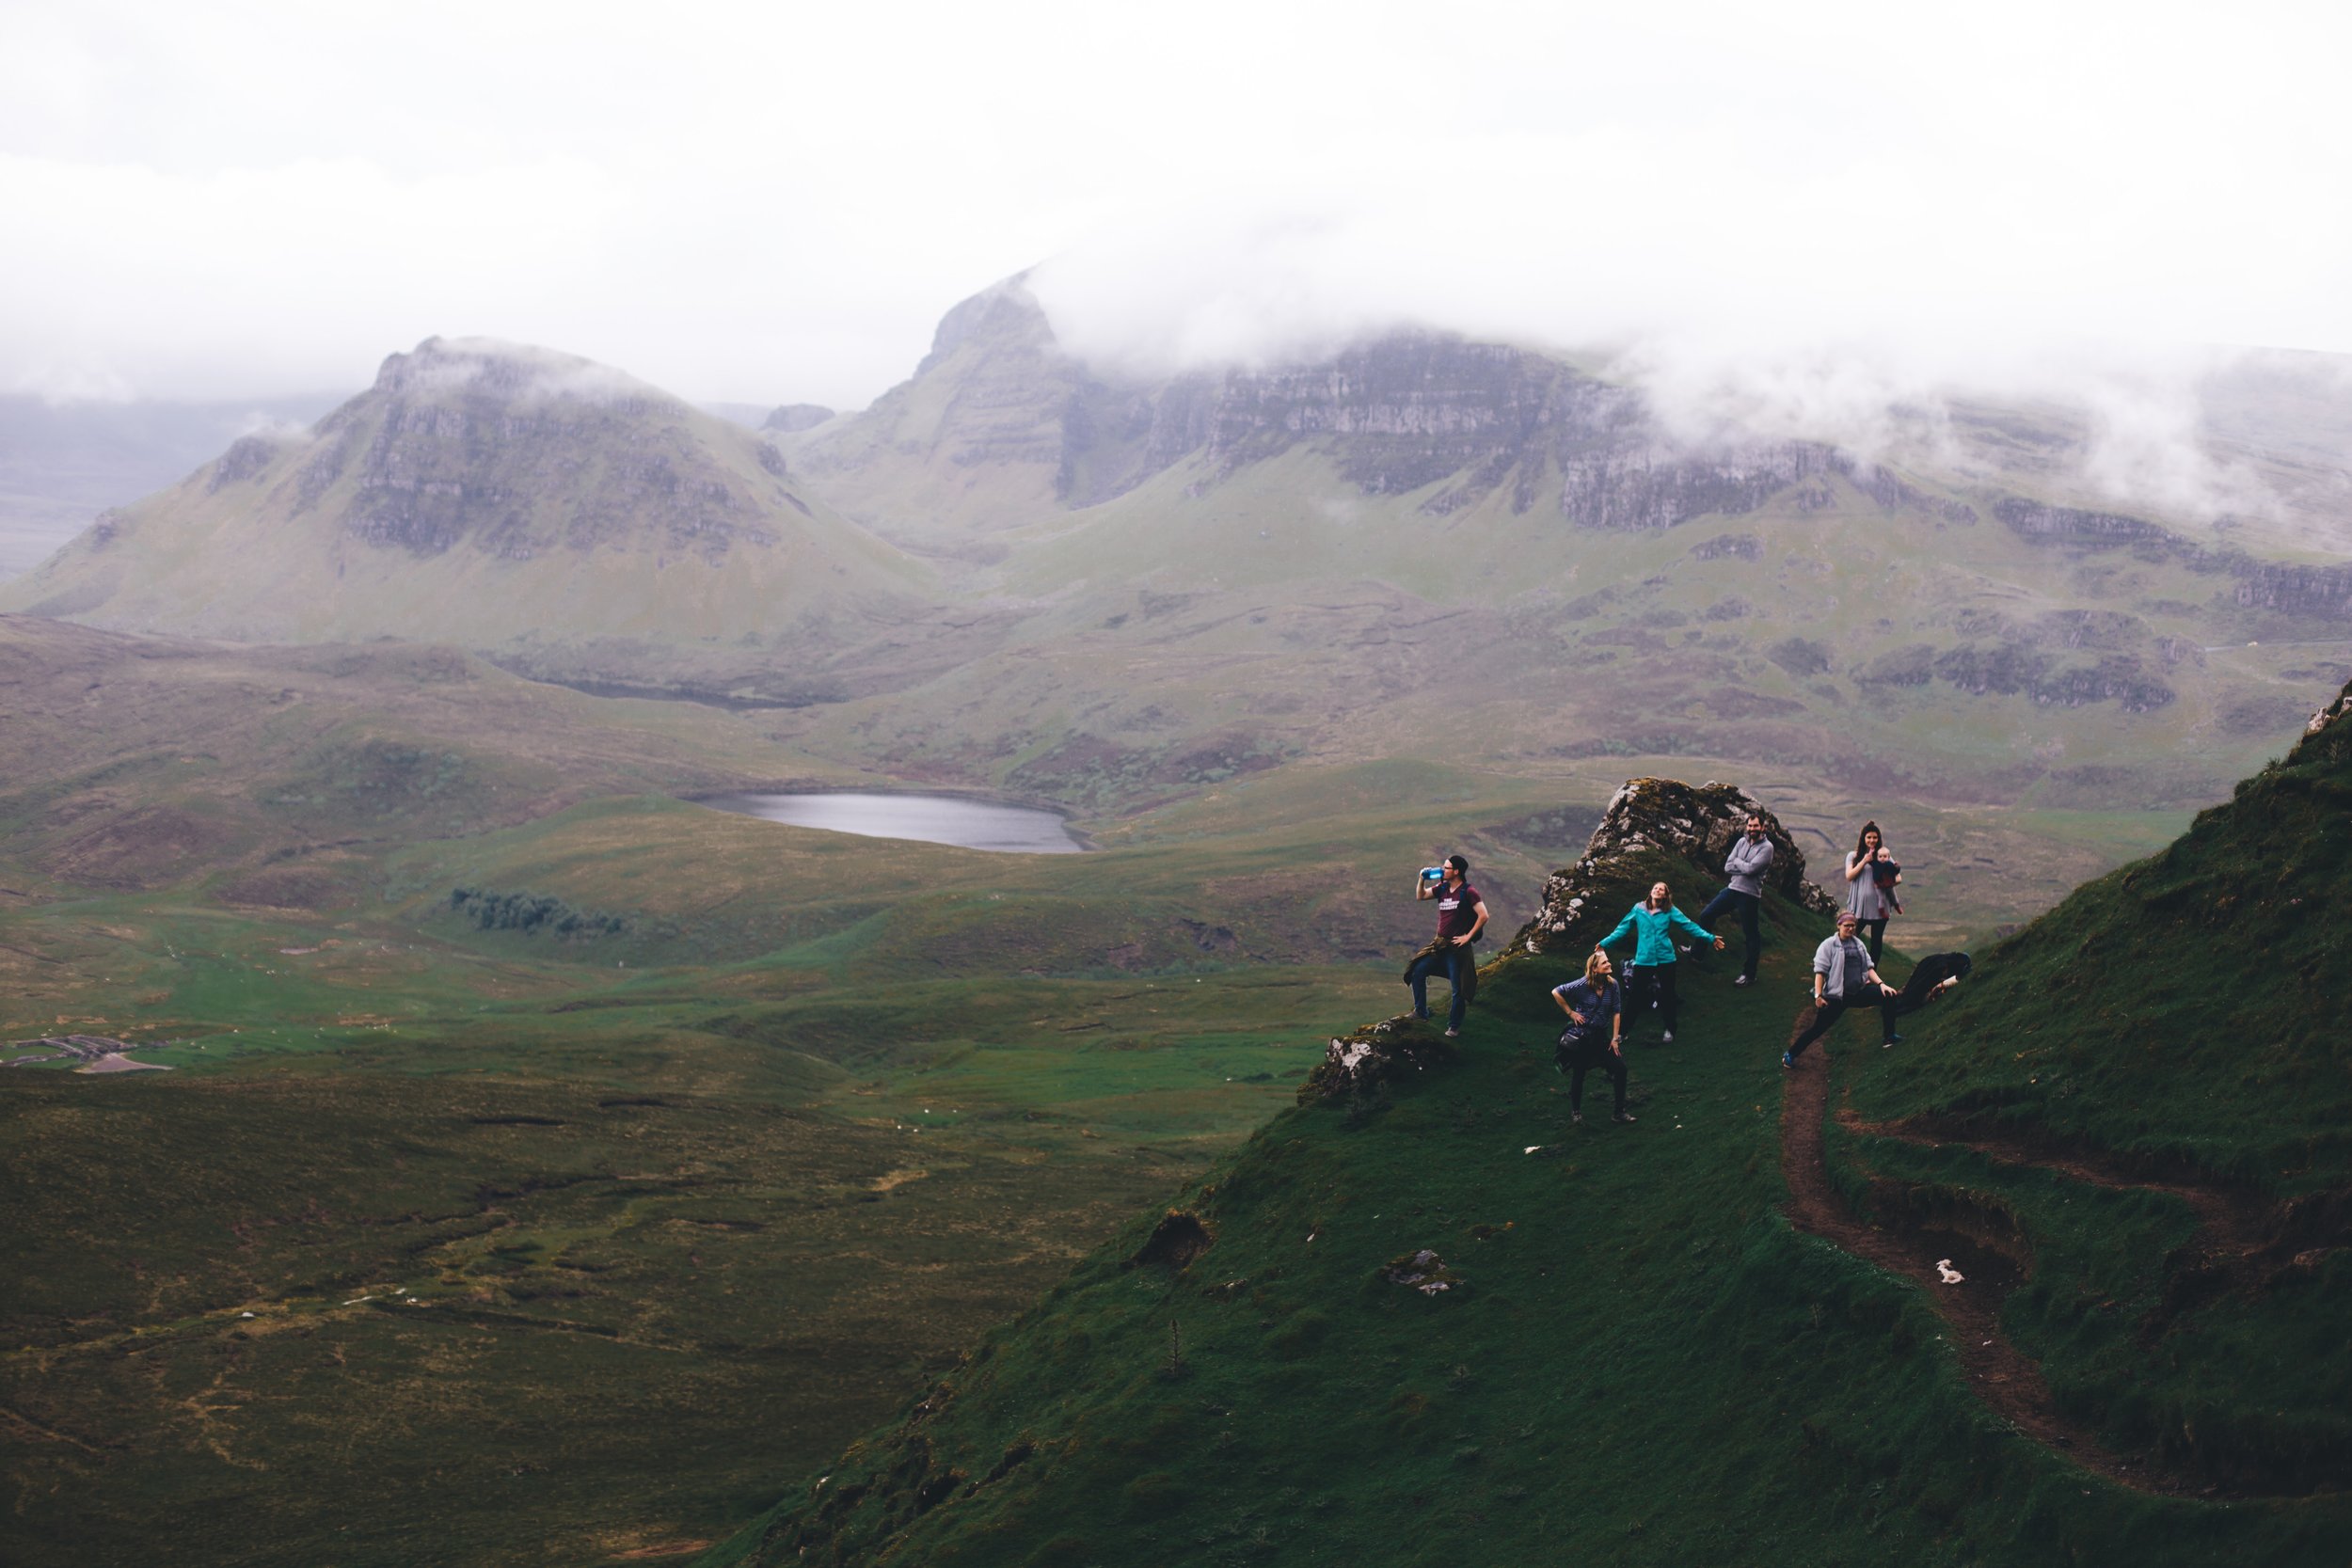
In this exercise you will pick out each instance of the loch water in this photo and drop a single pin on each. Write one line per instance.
(929, 818)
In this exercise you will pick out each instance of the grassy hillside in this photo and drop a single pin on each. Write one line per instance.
(1719, 1334)
(2184, 1013)
(761, 1156)
(2170, 1037)
(815, 1115)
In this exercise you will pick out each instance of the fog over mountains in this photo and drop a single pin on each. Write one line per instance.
(1096, 585)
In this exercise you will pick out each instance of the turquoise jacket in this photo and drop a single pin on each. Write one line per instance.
(1657, 944)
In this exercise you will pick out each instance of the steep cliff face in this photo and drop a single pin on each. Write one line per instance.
(1401, 414)
(1000, 427)
(519, 452)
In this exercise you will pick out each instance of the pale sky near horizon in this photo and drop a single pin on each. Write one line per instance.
(777, 204)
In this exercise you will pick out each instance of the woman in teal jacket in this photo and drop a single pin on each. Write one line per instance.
(1650, 980)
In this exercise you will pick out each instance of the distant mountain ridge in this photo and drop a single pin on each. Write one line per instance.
(1087, 585)
(1413, 408)
(1404, 412)
(494, 496)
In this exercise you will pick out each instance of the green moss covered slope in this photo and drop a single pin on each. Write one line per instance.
(1643, 1358)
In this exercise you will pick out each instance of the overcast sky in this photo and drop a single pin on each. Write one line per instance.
(775, 202)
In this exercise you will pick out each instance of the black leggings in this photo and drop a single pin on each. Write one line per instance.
(1835, 1008)
(1646, 981)
(1877, 938)
(1746, 903)
(1609, 1063)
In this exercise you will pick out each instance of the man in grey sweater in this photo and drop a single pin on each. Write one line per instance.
(1751, 857)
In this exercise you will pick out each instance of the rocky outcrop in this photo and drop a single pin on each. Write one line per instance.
(2332, 714)
(2009, 668)
(1728, 546)
(1888, 489)
(2324, 592)
(244, 461)
(2067, 524)
(1647, 822)
(1644, 819)
(2008, 658)
(1647, 485)
(2294, 590)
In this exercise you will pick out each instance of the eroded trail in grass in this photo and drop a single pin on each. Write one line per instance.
(2229, 1221)
(2002, 1376)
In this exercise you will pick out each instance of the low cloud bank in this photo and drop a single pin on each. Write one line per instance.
(1744, 306)
(519, 373)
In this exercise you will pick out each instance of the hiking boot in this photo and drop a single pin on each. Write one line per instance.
(1669, 1039)
(1622, 1116)
(1743, 979)
(1453, 1033)
(1423, 1014)
(1890, 1042)
(1786, 1060)
(1576, 1117)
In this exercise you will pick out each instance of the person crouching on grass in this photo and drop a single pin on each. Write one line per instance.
(1651, 980)
(1844, 977)
(1594, 1036)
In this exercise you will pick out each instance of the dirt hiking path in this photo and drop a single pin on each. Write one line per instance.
(2002, 1376)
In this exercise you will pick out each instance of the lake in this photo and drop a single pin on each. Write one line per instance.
(929, 818)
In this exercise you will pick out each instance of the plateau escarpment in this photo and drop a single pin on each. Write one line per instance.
(1403, 413)
(1328, 538)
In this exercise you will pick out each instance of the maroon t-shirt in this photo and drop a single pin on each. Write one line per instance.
(1457, 910)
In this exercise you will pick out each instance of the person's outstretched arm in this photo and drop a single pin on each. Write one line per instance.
(1677, 918)
(1623, 926)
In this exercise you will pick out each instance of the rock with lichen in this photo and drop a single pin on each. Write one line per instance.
(1644, 819)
